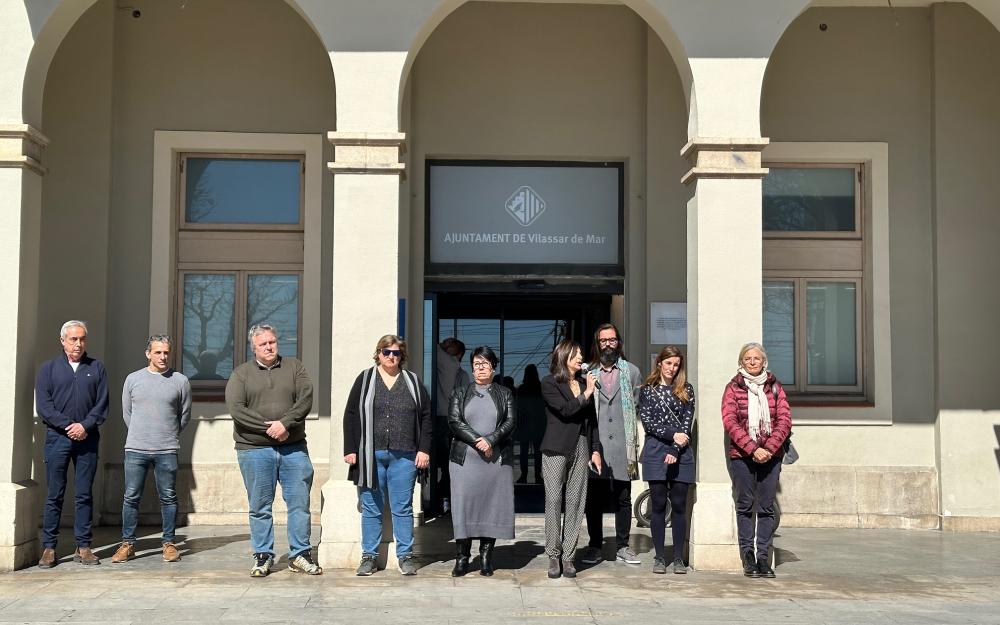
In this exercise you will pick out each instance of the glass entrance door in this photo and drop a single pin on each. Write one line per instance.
(522, 330)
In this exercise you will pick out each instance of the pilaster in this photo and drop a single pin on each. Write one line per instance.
(21, 174)
(365, 294)
(724, 300)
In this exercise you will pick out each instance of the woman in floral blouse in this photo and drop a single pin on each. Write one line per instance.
(666, 409)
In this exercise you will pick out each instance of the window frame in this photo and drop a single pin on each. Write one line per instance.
(859, 203)
(801, 387)
(240, 295)
(164, 241)
(184, 224)
(856, 270)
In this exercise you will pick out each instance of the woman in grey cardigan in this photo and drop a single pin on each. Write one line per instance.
(482, 417)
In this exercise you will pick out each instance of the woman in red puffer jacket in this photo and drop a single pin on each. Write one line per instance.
(757, 418)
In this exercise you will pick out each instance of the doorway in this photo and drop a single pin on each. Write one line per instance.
(522, 328)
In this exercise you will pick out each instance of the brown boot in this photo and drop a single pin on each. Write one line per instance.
(84, 555)
(125, 553)
(48, 559)
(170, 553)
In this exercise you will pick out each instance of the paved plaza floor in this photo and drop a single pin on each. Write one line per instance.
(825, 576)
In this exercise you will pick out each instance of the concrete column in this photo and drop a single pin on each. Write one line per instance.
(20, 207)
(367, 172)
(724, 277)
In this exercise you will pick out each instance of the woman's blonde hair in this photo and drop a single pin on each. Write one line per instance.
(388, 340)
(679, 384)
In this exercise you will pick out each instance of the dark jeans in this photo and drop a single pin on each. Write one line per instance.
(59, 452)
(164, 468)
(599, 492)
(755, 482)
(677, 493)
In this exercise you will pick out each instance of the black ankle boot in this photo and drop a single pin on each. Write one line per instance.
(486, 556)
(765, 568)
(463, 550)
(750, 568)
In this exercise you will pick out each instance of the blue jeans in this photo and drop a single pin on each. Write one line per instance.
(263, 469)
(164, 466)
(397, 473)
(59, 452)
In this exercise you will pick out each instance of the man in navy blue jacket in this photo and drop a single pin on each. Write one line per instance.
(71, 394)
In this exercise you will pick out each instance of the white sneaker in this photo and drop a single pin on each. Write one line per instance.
(262, 563)
(303, 563)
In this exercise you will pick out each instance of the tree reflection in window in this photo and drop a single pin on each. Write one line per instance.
(274, 299)
(209, 322)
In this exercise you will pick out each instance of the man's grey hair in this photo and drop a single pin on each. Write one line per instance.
(260, 328)
(72, 323)
(158, 338)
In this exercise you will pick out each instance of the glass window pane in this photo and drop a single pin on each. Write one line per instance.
(242, 191)
(209, 320)
(810, 199)
(529, 342)
(831, 333)
(274, 299)
(779, 329)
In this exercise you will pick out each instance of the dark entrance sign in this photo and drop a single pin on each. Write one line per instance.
(524, 218)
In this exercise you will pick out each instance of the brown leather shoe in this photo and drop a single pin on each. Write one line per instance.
(48, 559)
(170, 553)
(125, 553)
(84, 555)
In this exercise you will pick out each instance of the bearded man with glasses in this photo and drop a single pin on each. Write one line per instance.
(618, 385)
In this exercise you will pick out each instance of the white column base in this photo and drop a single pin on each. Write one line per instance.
(19, 543)
(713, 544)
(340, 543)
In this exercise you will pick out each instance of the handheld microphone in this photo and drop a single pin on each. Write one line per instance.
(585, 368)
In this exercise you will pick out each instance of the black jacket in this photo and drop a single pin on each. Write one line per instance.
(423, 425)
(567, 417)
(500, 439)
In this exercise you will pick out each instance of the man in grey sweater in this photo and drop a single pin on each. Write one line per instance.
(269, 398)
(156, 405)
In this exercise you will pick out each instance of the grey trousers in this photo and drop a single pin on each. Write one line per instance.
(563, 531)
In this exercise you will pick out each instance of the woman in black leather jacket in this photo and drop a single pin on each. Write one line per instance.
(481, 417)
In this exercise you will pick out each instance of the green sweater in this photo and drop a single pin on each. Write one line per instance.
(255, 395)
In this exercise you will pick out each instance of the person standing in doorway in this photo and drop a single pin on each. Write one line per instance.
(615, 401)
(269, 398)
(482, 418)
(156, 405)
(449, 376)
(71, 395)
(569, 445)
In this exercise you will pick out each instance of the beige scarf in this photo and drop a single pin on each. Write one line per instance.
(758, 410)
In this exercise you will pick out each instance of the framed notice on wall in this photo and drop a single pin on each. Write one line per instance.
(524, 217)
(668, 323)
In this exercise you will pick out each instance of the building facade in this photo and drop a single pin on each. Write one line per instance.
(817, 175)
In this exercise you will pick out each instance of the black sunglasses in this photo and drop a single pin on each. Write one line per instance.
(392, 352)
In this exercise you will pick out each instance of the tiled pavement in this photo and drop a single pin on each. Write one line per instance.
(825, 576)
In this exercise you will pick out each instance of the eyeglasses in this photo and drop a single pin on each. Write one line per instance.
(481, 364)
(752, 359)
(608, 341)
(392, 352)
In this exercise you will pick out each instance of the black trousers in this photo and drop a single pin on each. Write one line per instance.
(599, 493)
(660, 491)
(755, 482)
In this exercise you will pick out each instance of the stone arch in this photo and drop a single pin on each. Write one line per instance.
(50, 25)
(653, 17)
